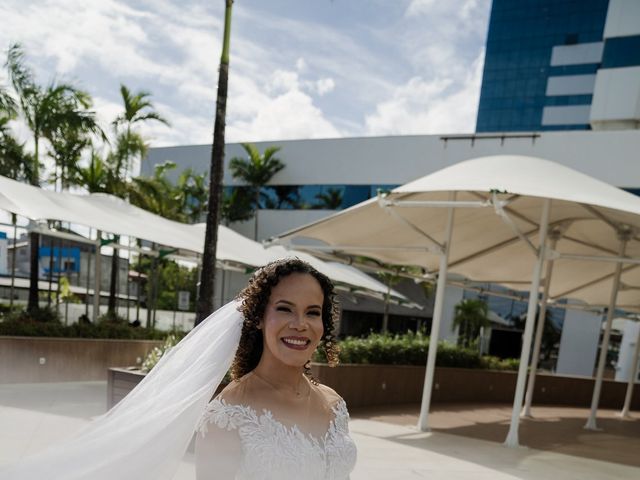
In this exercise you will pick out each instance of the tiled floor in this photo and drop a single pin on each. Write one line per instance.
(33, 416)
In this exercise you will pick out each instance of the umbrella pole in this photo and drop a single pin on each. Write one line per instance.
(14, 220)
(96, 280)
(512, 436)
(539, 331)
(602, 359)
(632, 380)
(86, 295)
(423, 421)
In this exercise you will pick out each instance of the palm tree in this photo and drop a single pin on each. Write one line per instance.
(129, 146)
(96, 177)
(208, 271)
(15, 162)
(192, 193)
(330, 200)
(138, 109)
(256, 170)
(44, 110)
(470, 316)
(236, 206)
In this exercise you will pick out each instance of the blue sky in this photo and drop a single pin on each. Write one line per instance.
(299, 68)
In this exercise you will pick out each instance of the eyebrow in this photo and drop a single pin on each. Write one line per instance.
(293, 305)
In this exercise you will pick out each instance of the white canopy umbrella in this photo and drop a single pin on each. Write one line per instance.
(504, 206)
(107, 213)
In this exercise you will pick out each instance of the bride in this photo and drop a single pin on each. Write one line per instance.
(274, 420)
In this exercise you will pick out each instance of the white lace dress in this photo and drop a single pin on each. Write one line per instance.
(272, 450)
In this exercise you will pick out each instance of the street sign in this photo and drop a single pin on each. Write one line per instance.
(183, 300)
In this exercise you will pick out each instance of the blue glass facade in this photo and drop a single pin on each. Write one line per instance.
(522, 34)
(330, 197)
(620, 52)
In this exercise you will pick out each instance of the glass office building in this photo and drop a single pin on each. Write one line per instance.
(541, 62)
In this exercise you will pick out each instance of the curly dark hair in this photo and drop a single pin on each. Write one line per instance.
(254, 298)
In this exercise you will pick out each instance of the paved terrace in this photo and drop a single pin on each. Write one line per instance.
(464, 443)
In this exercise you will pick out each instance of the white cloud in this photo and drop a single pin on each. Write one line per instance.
(290, 77)
(301, 65)
(423, 106)
(325, 85)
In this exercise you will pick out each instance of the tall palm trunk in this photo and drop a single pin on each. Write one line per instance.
(208, 272)
(34, 241)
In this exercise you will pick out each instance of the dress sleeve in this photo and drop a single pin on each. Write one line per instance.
(223, 415)
(218, 451)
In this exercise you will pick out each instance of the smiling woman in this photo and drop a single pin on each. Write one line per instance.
(275, 420)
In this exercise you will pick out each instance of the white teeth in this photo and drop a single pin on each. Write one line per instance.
(294, 342)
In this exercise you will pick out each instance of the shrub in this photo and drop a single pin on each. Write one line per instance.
(156, 353)
(411, 349)
(27, 327)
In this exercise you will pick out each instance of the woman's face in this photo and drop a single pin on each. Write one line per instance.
(292, 324)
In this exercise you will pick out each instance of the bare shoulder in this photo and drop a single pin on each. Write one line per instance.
(233, 392)
(330, 396)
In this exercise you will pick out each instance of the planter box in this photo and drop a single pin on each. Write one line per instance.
(53, 359)
(368, 385)
(120, 381)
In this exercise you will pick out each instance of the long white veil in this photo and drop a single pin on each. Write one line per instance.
(146, 435)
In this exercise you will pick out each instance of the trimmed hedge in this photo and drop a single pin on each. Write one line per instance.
(411, 349)
(30, 328)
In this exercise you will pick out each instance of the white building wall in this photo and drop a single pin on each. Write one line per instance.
(566, 115)
(398, 160)
(576, 54)
(623, 18)
(579, 343)
(627, 349)
(616, 99)
(570, 85)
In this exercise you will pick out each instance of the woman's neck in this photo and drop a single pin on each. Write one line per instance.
(281, 377)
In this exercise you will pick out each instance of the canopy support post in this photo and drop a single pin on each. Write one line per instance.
(96, 280)
(624, 235)
(528, 399)
(512, 436)
(633, 374)
(14, 221)
(423, 421)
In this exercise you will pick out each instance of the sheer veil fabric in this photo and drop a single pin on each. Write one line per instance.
(146, 435)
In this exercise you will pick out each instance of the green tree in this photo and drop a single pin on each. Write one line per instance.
(95, 177)
(15, 162)
(256, 170)
(236, 206)
(192, 193)
(129, 146)
(157, 194)
(208, 270)
(470, 316)
(44, 110)
(330, 200)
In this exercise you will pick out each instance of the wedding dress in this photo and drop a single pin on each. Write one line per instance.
(263, 439)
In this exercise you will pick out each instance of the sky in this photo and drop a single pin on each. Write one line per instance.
(298, 68)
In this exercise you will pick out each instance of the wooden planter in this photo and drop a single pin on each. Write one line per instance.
(368, 385)
(120, 381)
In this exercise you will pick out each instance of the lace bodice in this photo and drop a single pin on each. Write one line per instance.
(272, 450)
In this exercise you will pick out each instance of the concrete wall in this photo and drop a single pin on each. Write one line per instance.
(35, 359)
